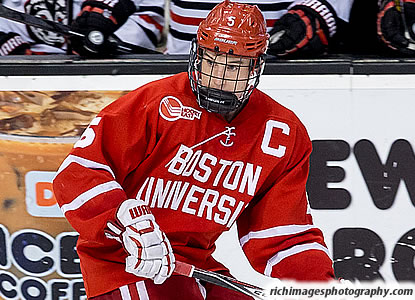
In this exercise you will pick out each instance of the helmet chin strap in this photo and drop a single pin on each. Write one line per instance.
(218, 101)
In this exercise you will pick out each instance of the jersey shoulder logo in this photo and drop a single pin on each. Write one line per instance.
(171, 109)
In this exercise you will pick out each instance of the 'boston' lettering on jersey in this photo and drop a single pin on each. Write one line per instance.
(200, 201)
(229, 174)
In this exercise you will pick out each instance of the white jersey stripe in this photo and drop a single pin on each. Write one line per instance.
(83, 162)
(277, 258)
(182, 27)
(125, 293)
(142, 291)
(189, 13)
(198, 13)
(274, 232)
(89, 194)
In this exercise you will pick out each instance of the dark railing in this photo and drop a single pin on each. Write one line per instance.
(170, 64)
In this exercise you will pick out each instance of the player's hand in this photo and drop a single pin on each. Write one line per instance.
(396, 25)
(303, 31)
(97, 21)
(12, 44)
(149, 251)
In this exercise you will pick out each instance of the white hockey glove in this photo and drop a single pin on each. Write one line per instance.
(150, 254)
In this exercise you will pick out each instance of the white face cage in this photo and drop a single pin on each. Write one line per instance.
(222, 82)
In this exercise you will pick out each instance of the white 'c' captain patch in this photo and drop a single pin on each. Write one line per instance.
(171, 109)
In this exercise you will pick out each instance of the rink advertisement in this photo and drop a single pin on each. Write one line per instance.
(361, 186)
(37, 245)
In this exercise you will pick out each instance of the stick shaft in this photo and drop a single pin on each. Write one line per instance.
(220, 280)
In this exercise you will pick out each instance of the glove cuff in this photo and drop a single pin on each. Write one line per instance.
(117, 11)
(132, 211)
(383, 3)
(323, 11)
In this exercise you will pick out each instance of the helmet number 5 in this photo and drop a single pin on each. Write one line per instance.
(231, 20)
(88, 136)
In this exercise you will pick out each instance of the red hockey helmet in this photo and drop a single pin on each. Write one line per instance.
(234, 28)
(227, 57)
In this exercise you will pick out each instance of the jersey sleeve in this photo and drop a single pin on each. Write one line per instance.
(8, 26)
(276, 231)
(145, 27)
(342, 8)
(89, 183)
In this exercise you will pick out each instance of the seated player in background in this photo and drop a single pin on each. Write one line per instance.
(313, 28)
(163, 171)
(298, 29)
(139, 22)
(303, 27)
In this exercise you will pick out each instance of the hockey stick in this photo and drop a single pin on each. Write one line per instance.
(69, 14)
(122, 47)
(221, 280)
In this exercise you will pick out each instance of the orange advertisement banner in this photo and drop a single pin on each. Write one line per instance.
(37, 130)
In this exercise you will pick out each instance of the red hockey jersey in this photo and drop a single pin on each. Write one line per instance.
(199, 174)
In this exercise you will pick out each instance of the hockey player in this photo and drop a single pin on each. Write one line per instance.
(161, 172)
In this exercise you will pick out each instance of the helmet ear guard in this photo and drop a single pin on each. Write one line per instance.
(231, 30)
